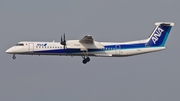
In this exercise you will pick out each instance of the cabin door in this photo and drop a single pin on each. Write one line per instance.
(31, 47)
(117, 49)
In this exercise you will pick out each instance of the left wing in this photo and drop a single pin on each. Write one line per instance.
(87, 39)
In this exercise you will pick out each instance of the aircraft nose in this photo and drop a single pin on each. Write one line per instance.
(9, 51)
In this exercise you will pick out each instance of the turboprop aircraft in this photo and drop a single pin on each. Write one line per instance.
(87, 46)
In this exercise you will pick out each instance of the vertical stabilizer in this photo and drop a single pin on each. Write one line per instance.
(160, 34)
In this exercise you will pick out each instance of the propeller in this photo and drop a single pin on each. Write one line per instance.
(63, 40)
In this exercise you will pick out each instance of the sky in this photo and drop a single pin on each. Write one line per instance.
(148, 77)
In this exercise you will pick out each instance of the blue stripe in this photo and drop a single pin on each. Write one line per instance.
(111, 47)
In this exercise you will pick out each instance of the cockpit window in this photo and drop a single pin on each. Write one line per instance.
(20, 44)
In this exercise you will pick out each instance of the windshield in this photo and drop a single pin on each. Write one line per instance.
(20, 44)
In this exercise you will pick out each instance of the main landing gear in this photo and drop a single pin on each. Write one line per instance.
(85, 58)
(14, 56)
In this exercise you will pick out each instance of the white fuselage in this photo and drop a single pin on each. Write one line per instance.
(75, 48)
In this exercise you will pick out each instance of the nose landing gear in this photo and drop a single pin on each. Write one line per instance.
(14, 56)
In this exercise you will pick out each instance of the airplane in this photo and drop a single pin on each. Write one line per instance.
(87, 46)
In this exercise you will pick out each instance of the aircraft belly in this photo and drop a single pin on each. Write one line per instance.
(130, 52)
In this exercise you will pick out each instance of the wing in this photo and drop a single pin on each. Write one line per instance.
(88, 43)
(87, 39)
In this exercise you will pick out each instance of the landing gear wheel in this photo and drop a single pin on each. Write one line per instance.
(14, 57)
(87, 59)
(84, 61)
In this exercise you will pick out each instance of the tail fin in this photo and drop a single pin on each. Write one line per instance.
(160, 34)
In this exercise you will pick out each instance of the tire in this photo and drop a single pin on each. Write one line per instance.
(84, 61)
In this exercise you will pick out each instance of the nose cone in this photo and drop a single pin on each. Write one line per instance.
(9, 51)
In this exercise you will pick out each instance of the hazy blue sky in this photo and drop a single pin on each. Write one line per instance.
(149, 77)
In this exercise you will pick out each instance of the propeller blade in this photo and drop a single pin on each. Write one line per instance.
(64, 38)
